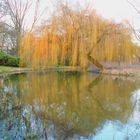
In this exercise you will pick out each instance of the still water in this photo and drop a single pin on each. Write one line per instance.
(69, 106)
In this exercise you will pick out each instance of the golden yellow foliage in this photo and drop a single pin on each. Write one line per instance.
(73, 36)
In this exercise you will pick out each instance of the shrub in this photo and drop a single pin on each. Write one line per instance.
(8, 60)
(3, 58)
(13, 61)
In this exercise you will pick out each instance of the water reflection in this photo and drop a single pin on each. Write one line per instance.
(63, 106)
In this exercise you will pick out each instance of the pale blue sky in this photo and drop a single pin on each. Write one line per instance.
(117, 10)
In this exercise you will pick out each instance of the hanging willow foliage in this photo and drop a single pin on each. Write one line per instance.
(77, 38)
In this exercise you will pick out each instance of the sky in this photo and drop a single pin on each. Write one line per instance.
(116, 10)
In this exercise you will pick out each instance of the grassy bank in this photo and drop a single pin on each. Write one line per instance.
(13, 70)
(126, 71)
(6, 70)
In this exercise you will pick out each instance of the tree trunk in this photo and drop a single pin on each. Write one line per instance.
(95, 62)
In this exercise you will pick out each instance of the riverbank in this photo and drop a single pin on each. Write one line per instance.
(122, 71)
(12, 70)
(4, 70)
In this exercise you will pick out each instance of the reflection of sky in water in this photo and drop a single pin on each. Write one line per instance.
(106, 109)
(119, 131)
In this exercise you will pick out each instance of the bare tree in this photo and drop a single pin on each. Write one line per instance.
(18, 12)
(136, 6)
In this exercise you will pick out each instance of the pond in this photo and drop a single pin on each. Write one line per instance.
(69, 106)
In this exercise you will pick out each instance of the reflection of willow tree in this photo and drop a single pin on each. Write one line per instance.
(65, 104)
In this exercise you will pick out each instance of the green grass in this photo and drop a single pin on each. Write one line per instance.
(5, 69)
(12, 70)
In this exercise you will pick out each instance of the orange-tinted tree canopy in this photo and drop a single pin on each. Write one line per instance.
(71, 37)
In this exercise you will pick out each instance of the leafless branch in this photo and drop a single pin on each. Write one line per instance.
(134, 6)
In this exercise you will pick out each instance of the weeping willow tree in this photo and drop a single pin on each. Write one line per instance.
(77, 38)
(117, 47)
